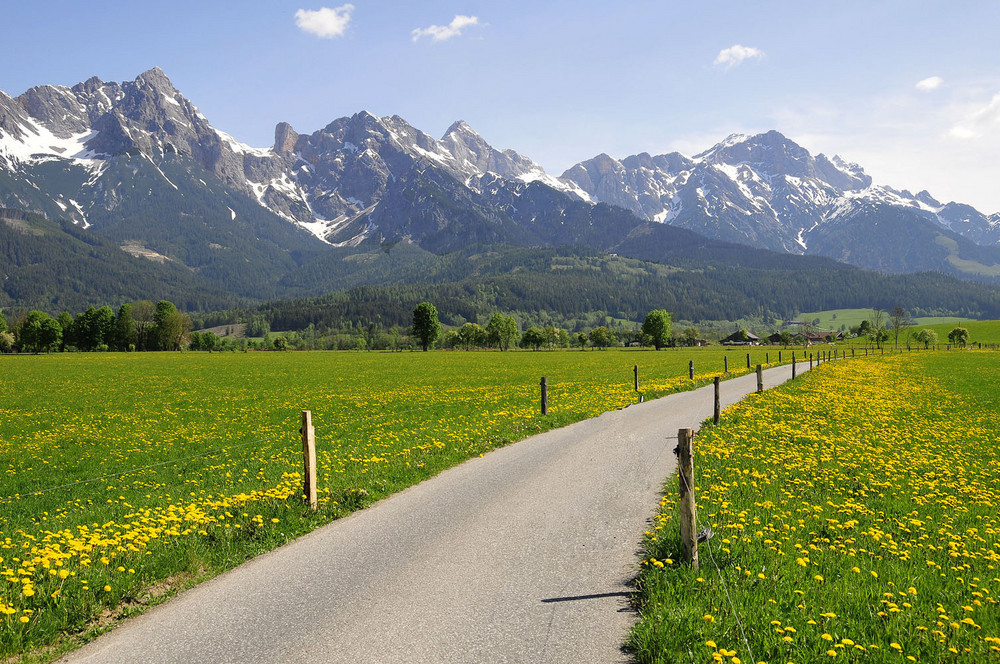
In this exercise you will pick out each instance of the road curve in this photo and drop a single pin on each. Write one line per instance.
(523, 555)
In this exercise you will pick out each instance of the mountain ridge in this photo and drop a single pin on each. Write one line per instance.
(139, 164)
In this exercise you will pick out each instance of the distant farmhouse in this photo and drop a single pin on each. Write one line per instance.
(741, 338)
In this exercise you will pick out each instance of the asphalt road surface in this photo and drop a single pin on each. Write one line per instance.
(523, 555)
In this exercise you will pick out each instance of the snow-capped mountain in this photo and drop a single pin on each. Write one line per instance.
(762, 190)
(339, 183)
(137, 163)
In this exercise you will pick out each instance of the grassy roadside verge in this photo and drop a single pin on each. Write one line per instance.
(855, 513)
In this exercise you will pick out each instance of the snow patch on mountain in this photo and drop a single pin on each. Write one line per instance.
(238, 147)
(40, 144)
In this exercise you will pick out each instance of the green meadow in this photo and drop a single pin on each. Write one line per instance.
(834, 318)
(855, 518)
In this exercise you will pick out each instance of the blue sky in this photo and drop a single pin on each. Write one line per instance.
(909, 90)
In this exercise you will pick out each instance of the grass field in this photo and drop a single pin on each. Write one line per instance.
(130, 476)
(856, 519)
(982, 331)
(834, 318)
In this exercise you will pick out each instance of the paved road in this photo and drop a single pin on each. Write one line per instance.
(523, 555)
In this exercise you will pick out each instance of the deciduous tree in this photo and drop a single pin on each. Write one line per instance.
(533, 338)
(602, 337)
(426, 326)
(144, 315)
(124, 336)
(38, 332)
(657, 327)
(898, 319)
(926, 336)
(471, 335)
(959, 336)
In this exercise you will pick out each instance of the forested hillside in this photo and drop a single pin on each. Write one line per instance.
(565, 284)
(56, 266)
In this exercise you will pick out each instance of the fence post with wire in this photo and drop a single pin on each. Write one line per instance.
(309, 460)
(689, 511)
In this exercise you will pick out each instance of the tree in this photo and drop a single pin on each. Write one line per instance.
(170, 326)
(510, 332)
(3, 323)
(124, 336)
(65, 321)
(879, 335)
(209, 341)
(280, 343)
(786, 338)
(144, 314)
(602, 337)
(551, 335)
(581, 338)
(493, 329)
(690, 336)
(657, 327)
(959, 336)
(533, 337)
(449, 339)
(876, 329)
(471, 334)
(38, 332)
(93, 328)
(926, 336)
(898, 319)
(426, 326)
(6, 342)
(257, 326)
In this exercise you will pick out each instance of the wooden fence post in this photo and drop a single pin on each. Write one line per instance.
(718, 402)
(691, 369)
(635, 370)
(767, 358)
(545, 396)
(810, 360)
(725, 363)
(689, 511)
(793, 365)
(748, 360)
(760, 379)
(309, 460)
(779, 357)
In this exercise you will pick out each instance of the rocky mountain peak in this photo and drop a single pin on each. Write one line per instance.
(57, 108)
(284, 138)
(158, 80)
(459, 127)
(925, 197)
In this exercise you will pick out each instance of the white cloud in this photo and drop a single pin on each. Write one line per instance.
(905, 142)
(324, 22)
(736, 54)
(928, 84)
(979, 122)
(443, 32)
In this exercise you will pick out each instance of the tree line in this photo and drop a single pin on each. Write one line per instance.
(137, 326)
